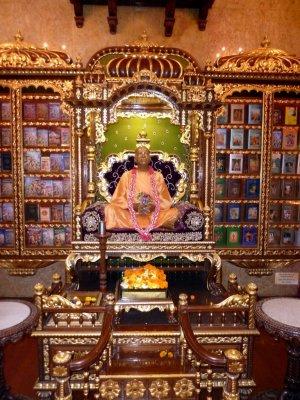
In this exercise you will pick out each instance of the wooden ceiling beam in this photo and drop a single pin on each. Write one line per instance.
(78, 11)
(112, 16)
(203, 13)
(169, 17)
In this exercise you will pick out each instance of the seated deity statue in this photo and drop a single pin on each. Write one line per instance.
(141, 200)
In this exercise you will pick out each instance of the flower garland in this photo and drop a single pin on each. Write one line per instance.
(144, 233)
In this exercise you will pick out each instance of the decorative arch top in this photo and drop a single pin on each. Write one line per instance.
(263, 59)
(126, 61)
(20, 54)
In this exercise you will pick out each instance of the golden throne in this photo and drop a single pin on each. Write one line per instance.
(159, 90)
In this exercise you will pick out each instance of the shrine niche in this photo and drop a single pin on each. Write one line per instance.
(144, 94)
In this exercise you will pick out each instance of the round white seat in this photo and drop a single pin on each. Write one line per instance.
(283, 310)
(12, 313)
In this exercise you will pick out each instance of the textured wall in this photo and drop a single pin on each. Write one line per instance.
(231, 23)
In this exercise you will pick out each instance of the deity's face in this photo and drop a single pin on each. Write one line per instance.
(142, 157)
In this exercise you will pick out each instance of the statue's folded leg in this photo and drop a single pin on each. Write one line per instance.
(117, 217)
(167, 218)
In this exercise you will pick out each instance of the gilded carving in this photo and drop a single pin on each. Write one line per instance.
(159, 389)
(109, 389)
(236, 300)
(135, 389)
(184, 388)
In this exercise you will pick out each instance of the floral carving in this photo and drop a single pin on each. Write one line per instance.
(159, 389)
(184, 388)
(135, 389)
(109, 389)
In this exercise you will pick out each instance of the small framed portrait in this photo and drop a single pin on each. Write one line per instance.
(275, 189)
(219, 212)
(236, 138)
(233, 236)
(252, 188)
(274, 212)
(288, 213)
(290, 138)
(254, 114)
(223, 117)
(253, 164)
(251, 212)
(288, 188)
(220, 236)
(277, 139)
(254, 139)
(237, 112)
(289, 163)
(287, 237)
(249, 236)
(233, 212)
(236, 163)
(220, 188)
(277, 116)
(274, 237)
(221, 163)
(276, 163)
(234, 188)
(290, 116)
(221, 138)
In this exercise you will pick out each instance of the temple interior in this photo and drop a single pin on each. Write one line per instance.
(150, 200)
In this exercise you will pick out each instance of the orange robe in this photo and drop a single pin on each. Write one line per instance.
(117, 214)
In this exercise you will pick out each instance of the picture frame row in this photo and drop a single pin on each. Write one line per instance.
(237, 188)
(48, 237)
(285, 114)
(285, 163)
(284, 237)
(236, 236)
(48, 213)
(236, 212)
(238, 164)
(37, 110)
(284, 189)
(34, 161)
(284, 213)
(286, 138)
(40, 188)
(237, 113)
(238, 139)
(46, 137)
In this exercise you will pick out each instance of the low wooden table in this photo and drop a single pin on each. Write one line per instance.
(281, 318)
(17, 318)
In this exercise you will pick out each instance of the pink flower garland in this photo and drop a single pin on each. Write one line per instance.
(144, 233)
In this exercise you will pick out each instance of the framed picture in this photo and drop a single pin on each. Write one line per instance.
(276, 163)
(42, 113)
(221, 138)
(220, 236)
(253, 164)
(288, 213)
(249, 236)
(236, 163)
(6, 189)
(236, 138)
(30, 136)
(290, 138)
(234, 188)
(68, 212)
(237, 113)
(7, 212)
(6, 161)
(32, 161)
(223, 117)
(274, 237)
(57, 213)
(274, 212)
(289, 163)
(254, 114)
(290, 116)
(219, 212)
(288, 188)
(65, 136)
(297, 237)
(42, 137)
(45, 214)
(251, 212)
(275, 189)
(59, 236)
(298, 165)
(5, 111)
(277, 116)
(220, 188)
(233, 236)
(31, 213)
(47, 236)
(5, 139)
(221, 163)
(277, 139)
(287, 237)
(54, 111)
(33, 236)
(29, 111)
(233, 212)
(252, 188)
(254, 139)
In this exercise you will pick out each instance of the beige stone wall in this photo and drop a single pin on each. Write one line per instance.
(231, 23)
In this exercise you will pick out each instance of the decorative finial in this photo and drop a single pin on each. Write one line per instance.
(142, 140)
(266, 42)
(18, 37)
